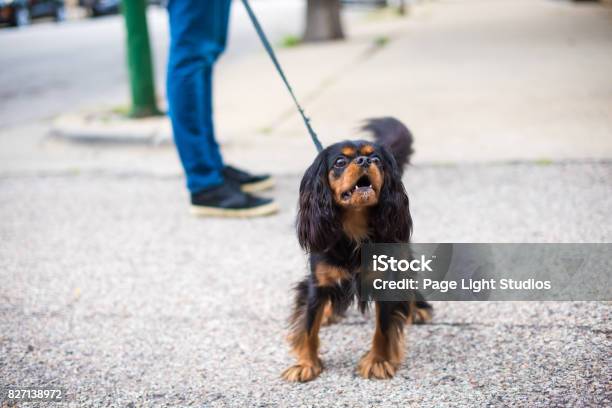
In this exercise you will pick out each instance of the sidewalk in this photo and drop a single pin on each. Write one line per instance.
(121, 297)
(511, 87)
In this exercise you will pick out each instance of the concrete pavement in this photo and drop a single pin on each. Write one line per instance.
(114, 292)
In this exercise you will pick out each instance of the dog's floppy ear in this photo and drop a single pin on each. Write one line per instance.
(391, 219)
(317, 220)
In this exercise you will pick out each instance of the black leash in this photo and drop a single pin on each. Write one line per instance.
(270, 50)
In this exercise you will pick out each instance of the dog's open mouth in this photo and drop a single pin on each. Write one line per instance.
(363, 186)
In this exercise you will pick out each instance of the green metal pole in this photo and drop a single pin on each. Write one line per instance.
(139, 59)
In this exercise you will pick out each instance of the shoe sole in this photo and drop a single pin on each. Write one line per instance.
(258, 186)
(266, 209)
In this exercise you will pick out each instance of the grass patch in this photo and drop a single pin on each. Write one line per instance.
(388, 12)
(290, 41)
(543, 162)
(266, 130)
(381, 41)
(123, 110)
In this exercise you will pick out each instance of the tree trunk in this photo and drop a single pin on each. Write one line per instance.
(401, 8)
(323, 21)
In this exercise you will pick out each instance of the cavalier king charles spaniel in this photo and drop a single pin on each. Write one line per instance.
(352, 194)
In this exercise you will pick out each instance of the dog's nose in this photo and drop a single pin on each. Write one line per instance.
(362, 161)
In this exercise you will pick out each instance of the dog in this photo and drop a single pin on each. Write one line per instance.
(352, 194)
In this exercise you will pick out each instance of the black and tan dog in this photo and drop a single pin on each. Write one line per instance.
(350, 195)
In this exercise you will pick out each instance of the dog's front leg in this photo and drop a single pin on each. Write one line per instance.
(304, 336)
(387, 350)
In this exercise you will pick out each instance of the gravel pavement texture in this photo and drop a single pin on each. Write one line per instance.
(111, 290)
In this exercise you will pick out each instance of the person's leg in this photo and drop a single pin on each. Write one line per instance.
(219, 31)
(198, 32)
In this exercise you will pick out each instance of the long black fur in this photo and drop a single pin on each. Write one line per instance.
(318, 221)
(391, 219)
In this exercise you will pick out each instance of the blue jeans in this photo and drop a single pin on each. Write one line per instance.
(198, 33)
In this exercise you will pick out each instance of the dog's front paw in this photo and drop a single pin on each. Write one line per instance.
(372, 366)
(303, 372)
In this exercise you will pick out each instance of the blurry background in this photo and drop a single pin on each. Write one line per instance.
(475, 80)
(113, 291)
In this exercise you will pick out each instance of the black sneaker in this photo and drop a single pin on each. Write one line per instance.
(228, 200)
(249, 183)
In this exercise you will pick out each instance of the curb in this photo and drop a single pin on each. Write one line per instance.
(97, 127)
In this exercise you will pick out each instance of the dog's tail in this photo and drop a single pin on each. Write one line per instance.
(394, 135)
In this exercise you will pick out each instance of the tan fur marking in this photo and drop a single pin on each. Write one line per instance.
(385, 355)
(347, 180)
(376, 177)
(348, 151)
(305, 345)
(355, 224)
(329, 317)
(328, 275)
(366, 150)
(422, 316)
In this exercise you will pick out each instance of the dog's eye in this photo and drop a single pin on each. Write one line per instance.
(340, 162)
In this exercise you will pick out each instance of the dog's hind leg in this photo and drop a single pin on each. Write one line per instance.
(304, 335)
(341, 297)
(329, 316)
(387, 351)
(423, 312)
